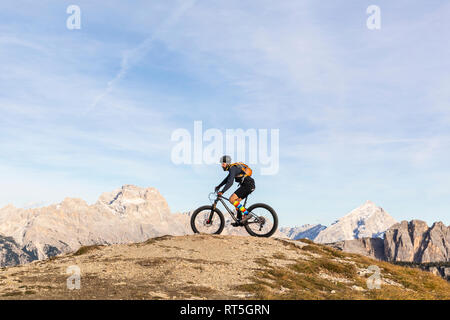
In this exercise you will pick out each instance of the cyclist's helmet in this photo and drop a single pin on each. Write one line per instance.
(225, 159)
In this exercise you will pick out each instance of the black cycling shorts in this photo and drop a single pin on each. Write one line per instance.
(247, 187)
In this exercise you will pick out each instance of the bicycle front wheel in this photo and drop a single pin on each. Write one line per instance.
(264, 220)
(207, 220)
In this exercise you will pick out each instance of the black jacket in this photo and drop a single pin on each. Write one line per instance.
(233, 173)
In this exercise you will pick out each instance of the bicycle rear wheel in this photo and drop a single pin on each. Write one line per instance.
(264, 220)
(207, 220)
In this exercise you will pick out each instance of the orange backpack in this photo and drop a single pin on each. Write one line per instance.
(245, 169)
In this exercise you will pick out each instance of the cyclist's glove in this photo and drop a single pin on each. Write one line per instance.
(216, 189)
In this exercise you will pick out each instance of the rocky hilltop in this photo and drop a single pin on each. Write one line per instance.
(211, 266)
(371, 247)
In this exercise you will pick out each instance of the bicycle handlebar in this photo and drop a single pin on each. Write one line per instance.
(215, 194)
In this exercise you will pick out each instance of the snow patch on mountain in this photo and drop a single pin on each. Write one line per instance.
(366, 221)
(306, 231)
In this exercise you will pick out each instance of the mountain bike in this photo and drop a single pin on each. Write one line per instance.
(209, 219)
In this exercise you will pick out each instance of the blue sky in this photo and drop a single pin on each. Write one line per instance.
(362, 114)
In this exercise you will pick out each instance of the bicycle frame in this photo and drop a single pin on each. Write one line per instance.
(222, 200)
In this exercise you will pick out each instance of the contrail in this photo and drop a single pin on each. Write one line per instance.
(133, 56)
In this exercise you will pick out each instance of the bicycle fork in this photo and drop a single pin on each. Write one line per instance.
(209, 221)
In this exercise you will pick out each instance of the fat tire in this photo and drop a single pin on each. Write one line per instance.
(275, 220)
(197, 211)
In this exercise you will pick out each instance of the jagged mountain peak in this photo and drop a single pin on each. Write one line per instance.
(367, 209)
(137, 202)
(8, 206)
(367, 220)
(438, 224)
(130, 194)
(73, 202)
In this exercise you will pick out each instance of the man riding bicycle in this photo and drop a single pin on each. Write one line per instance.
(238, 172)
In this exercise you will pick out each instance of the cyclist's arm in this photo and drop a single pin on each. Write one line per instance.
(223, 182)
(233, 171)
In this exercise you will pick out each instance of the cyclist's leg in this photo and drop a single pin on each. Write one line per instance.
(241, 193)
(235, 199)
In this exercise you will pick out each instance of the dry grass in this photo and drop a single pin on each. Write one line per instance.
(302, 280)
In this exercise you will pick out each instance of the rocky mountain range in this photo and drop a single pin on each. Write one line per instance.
(128, 214)
(406, 241)
(411, 243)
(132, 214)
(368, 220)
